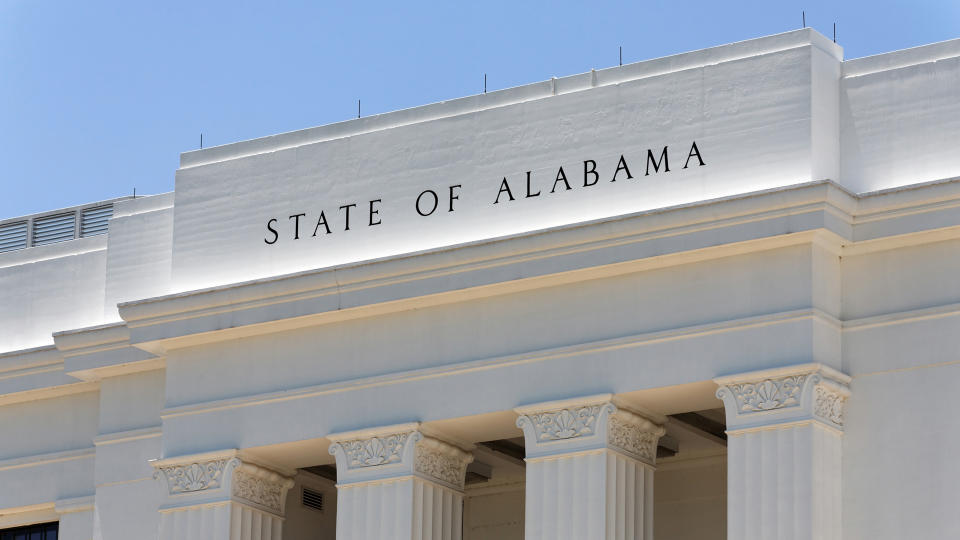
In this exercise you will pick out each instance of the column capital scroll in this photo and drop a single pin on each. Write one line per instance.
(589, 423)
(222, 475)
(398, 451)
(790, 394)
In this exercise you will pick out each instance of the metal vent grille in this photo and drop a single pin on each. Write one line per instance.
(50, 229)
(13, 236)
(312, 499)
(94, 221)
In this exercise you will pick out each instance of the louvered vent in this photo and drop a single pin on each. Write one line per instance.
(93, 221)
(13, 236)
(50, 229)
(312, 499)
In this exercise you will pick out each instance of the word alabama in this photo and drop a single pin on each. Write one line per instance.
(354, 214)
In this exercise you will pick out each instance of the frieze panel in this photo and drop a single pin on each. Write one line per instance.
(634, 439)
(375, 451)
(193, 477)
(768, 394)
(443, 462)
(266, 492)
(564, 424)
(828, 404)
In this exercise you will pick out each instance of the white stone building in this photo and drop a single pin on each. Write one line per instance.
(714, 295)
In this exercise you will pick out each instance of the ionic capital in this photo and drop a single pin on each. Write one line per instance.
(807, 392)
(224, 475)
(392, 452)
(585, 424)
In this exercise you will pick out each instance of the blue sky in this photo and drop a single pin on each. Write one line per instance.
(97, 98)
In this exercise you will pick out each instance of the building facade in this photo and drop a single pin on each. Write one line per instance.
(713, 295)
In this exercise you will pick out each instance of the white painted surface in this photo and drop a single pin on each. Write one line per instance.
(45, 295)
(648, 303)
(754, 132)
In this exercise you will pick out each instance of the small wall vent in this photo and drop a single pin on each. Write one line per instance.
(13, 236)
(312, 499)
(94, 221)
(57, 228)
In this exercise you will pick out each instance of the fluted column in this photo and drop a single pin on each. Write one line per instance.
(219, 496)
(590, 470)
(398, 483)
(784, 429)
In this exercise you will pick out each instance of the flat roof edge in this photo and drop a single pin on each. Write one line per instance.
(902, 58)
(518, 94)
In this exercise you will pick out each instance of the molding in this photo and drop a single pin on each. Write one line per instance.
(776, 426)
(541, 355)
(116, 437)
(18, 360)
(902, 317)
(784, 395)
(73, 505)
(48, 458)
(98, 352)
(49, 392)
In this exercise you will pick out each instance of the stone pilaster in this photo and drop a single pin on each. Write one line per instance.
(590, 470)
(784, 430)
(219, 496)
(397, 483)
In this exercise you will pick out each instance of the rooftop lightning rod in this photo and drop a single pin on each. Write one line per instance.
(484, 83)
(201, 141)
(804, 18)
(358, 108)
(621, 55)
(834, 32)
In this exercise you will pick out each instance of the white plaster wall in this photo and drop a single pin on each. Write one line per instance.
(900, 118)
(48, 425)
(690, 500)
(899, 455)
(752, 119)
(46, 449)
(127, 495)
(139, 250)
(687, 295)
(494, 516)
(909, 278)
(131, 401)
(50, 288)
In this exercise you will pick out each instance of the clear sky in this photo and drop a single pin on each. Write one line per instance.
(97, 98)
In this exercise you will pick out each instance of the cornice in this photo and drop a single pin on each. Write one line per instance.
(49, 391)
(116, 437)
(97, 352)
(37, 460)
